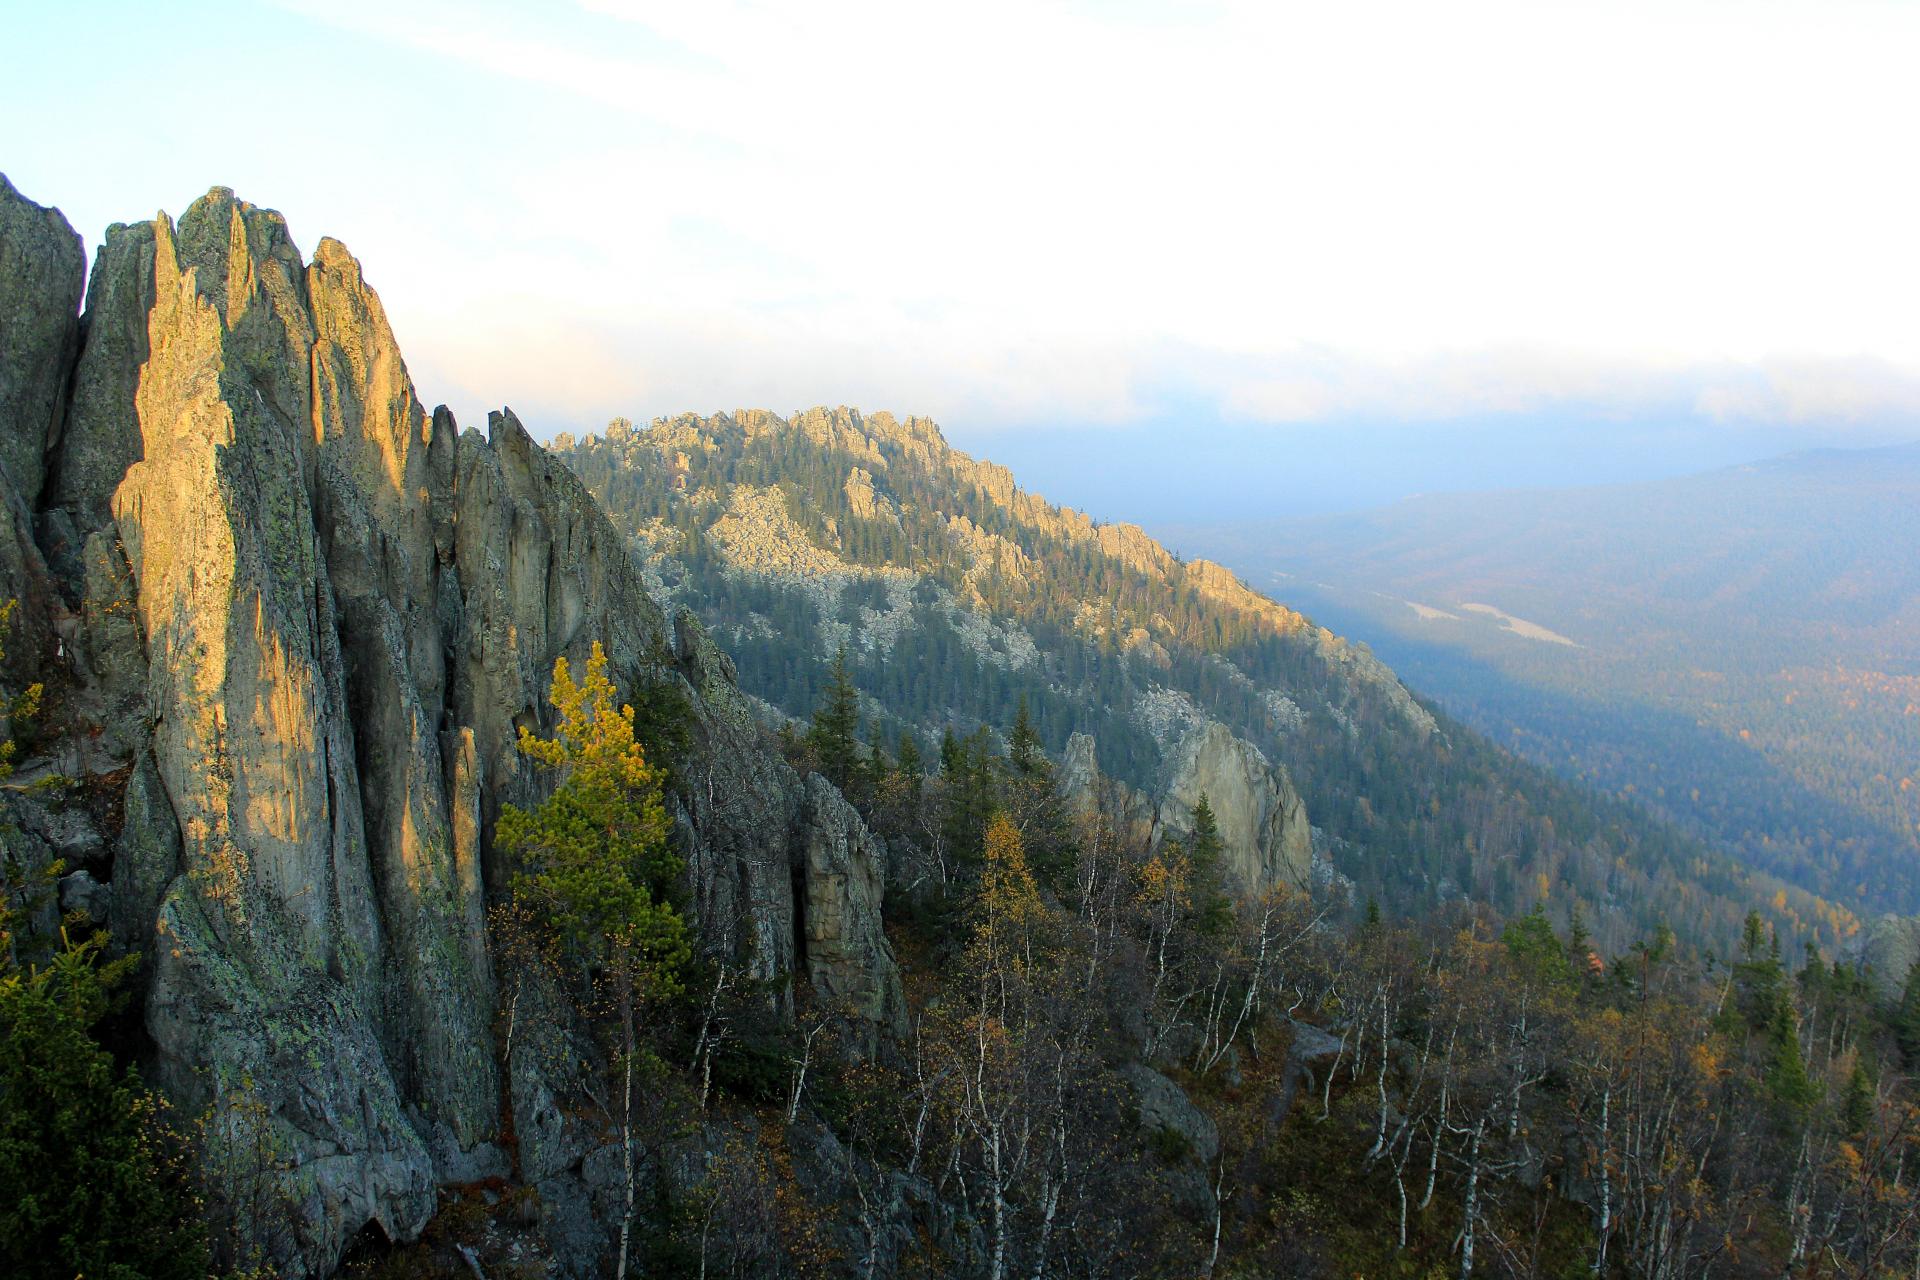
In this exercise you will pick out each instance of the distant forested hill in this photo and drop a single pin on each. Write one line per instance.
(956, 594)
(1739, 650)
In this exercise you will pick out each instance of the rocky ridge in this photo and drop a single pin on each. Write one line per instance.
(902, 537)
(290, 623)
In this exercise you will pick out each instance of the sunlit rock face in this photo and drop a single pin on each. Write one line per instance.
(296, 621)
(1262, 820)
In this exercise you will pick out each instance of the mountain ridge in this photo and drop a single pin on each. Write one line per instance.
(869, 532)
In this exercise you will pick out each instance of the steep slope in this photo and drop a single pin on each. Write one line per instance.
(1735, 649)
(955, 593)
(290, 624)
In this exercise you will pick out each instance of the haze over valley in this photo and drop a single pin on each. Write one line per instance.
(1738, 650)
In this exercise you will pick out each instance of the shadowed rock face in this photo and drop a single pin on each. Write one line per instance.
(40, 272)
(1261, 818)
(297, 621)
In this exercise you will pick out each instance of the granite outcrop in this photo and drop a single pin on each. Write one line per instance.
(290, 622)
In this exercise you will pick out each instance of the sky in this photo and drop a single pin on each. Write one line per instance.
(1167, 261)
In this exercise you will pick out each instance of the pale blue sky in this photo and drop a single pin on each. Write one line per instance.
(1686, 223)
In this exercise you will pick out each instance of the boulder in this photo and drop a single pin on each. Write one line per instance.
(79, 891)
(1164, 1107)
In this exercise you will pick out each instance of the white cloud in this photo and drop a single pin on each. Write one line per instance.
(1020, 210)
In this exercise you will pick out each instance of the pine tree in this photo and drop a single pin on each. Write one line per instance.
(1856, 1110)
(1787, 1079)
(92, 1178)
(1761, 978)
(1212, 907)
(956, 783)
(909, 763)
(1024, 752)
(836, 724)
(1906, 1017)
(1579, 941)
(1534, 949)
(968, 802)
(870, 774)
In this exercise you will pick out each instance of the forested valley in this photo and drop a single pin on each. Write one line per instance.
(1731, 650)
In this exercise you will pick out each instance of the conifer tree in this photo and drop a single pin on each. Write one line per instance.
(967, 768)
(871, 773)
(1760, 977)
(1579, 940)
(1024, 752)
(1856, 1110)
(909, 763)
(1906, 1017)
(1212, 907)
(1787, 1079)
(92, 1180)
(592, 864)
(836, 725)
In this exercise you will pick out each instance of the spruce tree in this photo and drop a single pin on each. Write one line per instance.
(909, 762)
(1579, 941)
(1760, 977)
(1906, 1017)
(1024, 752)
(1787, 1079)
(1856, 1110)
(92, 1177)
(1534, 949)
(956, 797)
(1212, 907)
(870, 774)
(836, 725)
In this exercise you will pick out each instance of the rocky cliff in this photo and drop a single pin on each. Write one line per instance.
(1261, 818)
(1888, 948)
(290, 623)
